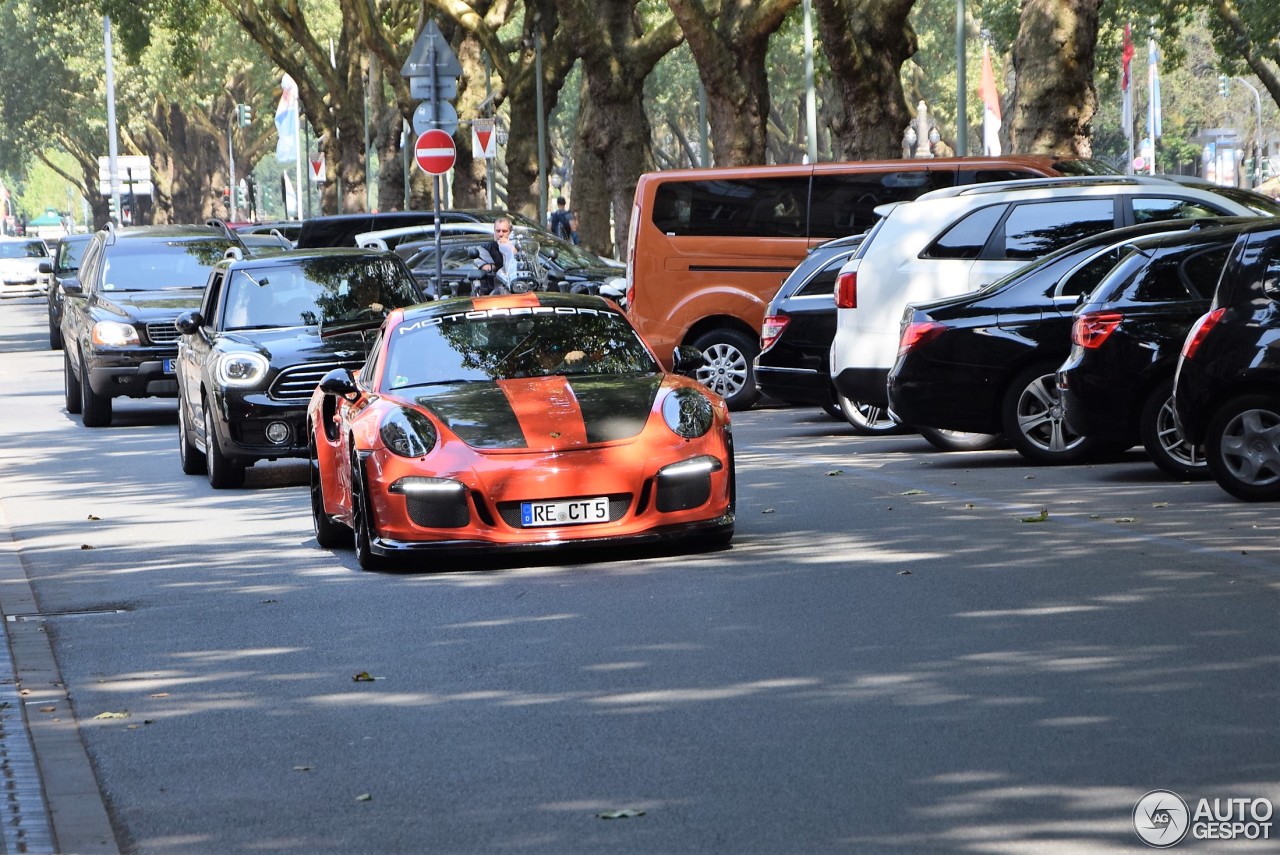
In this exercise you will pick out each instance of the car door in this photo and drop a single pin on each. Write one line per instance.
(196, 350)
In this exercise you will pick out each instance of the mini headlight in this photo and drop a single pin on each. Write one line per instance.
(408, 433)
(240, 369)
(114, 334)
(688, 413)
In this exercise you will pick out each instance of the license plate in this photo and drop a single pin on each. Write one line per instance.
(573, 512)
(168, 366)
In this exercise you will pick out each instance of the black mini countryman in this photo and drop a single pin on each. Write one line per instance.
(266, 331)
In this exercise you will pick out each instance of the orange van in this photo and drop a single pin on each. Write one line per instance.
(708, 248)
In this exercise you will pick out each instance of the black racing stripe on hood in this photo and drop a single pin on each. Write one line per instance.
(614, 407)
(478, 413)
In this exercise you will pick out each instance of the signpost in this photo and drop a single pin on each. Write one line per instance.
(435, 152)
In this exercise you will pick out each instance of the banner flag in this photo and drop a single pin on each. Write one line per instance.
(991, 117)
(287, 122)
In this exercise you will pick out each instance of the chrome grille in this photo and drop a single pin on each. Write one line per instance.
(299, 381)
(162, 332)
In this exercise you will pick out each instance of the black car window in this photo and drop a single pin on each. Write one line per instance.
(1035, 228)
(316, 291)
(1201, 271)
(159, 265)
(824, 283)
(966, 238)
(742, 207)
(89, 265)
(70, 252)
(1086, 277)
(1160, 282)
(212, 291)
(1147, 209)
(845, 204)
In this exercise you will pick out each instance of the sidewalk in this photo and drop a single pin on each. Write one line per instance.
(49, 798)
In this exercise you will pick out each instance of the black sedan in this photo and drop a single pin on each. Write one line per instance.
(1117, 383)
(268, 328)
(986, 362)
(794, 364)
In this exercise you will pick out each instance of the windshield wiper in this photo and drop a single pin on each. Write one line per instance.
(433, 383)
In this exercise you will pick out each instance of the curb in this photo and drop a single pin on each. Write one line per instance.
(76, 822)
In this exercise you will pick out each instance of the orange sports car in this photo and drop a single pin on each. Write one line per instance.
(518, 421)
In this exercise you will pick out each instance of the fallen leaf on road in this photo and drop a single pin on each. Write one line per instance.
(1159, 504)
(87, 546)
(364, 797)
(912, 493)
(363, 677)
(968, 506)
(112, 715)
(1126, 519)
(48, 709)
(159, 695)
(92, 517)
(625, 813)
(836, 472)
(302, 768)
(904, 572)
(1040, 517)
(768, 511)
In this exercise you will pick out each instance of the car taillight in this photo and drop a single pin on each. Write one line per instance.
(1091, 329)
(918, 333)
(773, 327)
(847, 290)
(1199, 330)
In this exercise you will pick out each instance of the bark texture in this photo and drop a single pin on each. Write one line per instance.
(1054, 99)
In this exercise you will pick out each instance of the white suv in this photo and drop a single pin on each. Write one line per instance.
(960, 239)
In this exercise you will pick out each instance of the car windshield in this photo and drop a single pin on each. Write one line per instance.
(155, 266)
(316, 291)
(1264, 205)
(498, 344)
(22, 249)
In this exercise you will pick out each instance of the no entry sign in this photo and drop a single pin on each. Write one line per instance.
(434, 151)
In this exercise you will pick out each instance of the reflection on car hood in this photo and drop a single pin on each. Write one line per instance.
(296, 345)
(544, 413)
(144, 304)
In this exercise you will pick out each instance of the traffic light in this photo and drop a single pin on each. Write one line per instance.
(1223, 87)
(244, 114)
(114, 215)
(226, 199)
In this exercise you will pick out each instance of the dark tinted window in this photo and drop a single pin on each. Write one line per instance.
(825, 282)
(1179, 276)
(1036, 228)
(845, 204)
(316, 291)
(981, 176)
(966, 238)
(754, 207)
(69, 254)
(1146, 210)
(1087, 277)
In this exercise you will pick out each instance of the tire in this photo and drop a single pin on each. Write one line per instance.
(832, 408)
(329, 533)
(55, 333)
(729, 371)
(70, 386)
(363, 523)
(868, 419)
(1164, 442)
(1242, 449)
(1033, 422)
(95, 409)
(956, 440)
(193, 462)
(223, 473)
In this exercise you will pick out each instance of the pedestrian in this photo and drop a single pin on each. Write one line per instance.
(497, 254)
(560, 219)
(573, 229)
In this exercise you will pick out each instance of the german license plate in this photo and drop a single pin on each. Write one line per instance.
(571, 512)
(168, 366)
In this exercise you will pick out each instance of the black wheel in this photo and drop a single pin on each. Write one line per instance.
(95, 409)
(70, 386)
(1242, 448)
(329, 533)
(728, 371)
(193, 462)
(1032, 413)
(55, 332)
(362, 517)
(832, 407)
(958, 440)
(222, 471)
(1164, 442)
(868, 419)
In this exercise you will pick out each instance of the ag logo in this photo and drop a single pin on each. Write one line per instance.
(1160, 818)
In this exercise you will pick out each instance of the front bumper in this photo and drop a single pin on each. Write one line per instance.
(121, 374)
(244, 423)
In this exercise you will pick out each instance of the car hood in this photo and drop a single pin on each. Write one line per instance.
(555, 413)
(20, 264)
(150, 304)
(296, 345)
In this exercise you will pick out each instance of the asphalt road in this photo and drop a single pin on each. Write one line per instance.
(890, 658)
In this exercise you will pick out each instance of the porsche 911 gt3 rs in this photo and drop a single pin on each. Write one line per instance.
(519, 421)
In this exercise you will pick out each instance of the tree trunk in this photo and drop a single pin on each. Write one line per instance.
(866, 45)
(1054, 98)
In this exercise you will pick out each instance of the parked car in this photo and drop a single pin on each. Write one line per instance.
(1226, 391)
(66, 266)
(985, 362)
(795, 341)
(955, 241)
(290, 229)
(268, 328)
(569, 269)
(25, 267)
(117, 321)
(341, 229)
(527, 422)
(1117, 383)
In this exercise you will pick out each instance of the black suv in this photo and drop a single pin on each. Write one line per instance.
(66, 266)
(118, 318)
(1226, 392)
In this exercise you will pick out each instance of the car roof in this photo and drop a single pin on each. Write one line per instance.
(1025, 185)
(292, 257)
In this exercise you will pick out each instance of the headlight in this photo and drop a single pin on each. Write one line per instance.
(114, 334)
(408, 433)
(688, 413)
(240, 369)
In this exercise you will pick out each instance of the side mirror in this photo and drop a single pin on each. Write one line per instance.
(686, 359)
(339, 382)
(45, 267)
(189, 322)
(473, 252)
(74, 287)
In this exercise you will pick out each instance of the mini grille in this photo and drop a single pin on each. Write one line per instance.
(162, 332)
(297, 383)
(618, 506)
